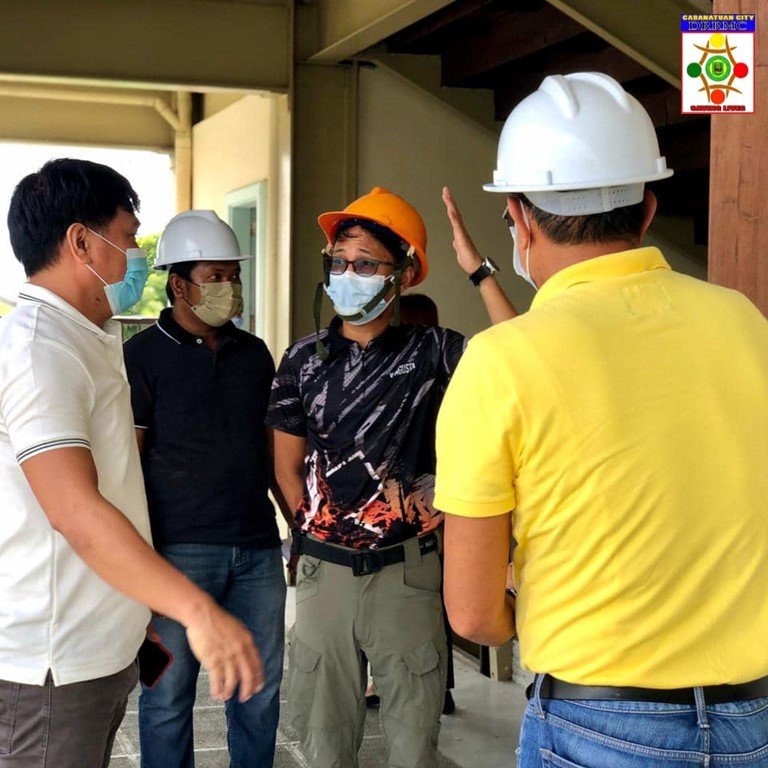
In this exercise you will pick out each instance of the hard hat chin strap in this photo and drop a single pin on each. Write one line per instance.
(397, 277)
(317, 304)
(398, 281)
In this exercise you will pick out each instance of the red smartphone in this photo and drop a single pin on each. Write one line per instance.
(154, 660)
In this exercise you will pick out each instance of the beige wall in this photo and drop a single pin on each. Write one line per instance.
(243, 144)
(216, 101)
(230, 150)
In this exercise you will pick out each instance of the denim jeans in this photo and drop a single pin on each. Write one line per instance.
(636, 734)
(249, 583)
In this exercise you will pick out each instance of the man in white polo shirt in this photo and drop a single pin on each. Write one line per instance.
(76, 561)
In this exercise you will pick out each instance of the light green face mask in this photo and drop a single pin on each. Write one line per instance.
(219, 302)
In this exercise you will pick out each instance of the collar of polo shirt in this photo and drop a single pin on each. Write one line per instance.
(39, 295)
(171, 328)
(606, 267)
(393, 334)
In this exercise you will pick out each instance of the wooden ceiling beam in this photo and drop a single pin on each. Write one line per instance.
(515, 82)
(470, 55)
(686, 145)
(660, 99)
(427, 35)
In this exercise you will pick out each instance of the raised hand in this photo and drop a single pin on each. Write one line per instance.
(466, 254)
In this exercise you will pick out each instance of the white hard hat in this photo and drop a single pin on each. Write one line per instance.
(580, 144)
(197, 236)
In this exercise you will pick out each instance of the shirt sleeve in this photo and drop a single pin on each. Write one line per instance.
(46, 399)
(286, 412)
(453, 346)
(478, 436)
(141, 388)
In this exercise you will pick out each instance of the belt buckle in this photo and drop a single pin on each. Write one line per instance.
(367, 562)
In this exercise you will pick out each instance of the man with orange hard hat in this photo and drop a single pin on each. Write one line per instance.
(354, 408)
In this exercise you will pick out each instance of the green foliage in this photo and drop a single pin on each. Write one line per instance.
(153, 300)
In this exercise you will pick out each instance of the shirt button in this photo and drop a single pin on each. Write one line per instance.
(199, 341)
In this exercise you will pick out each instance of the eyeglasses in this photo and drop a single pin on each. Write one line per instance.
(336, 265)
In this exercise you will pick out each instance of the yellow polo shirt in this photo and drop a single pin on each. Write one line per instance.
(624, 419)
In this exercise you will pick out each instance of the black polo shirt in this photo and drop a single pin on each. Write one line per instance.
(369, 418)
(206, 458)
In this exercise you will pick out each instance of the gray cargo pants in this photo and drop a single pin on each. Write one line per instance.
(395, 617)
(67, 726)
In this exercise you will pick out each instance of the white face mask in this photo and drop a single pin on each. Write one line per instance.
(351, 293)
(517, 263)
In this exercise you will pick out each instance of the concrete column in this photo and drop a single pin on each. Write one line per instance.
(182, 151)
(324, 163)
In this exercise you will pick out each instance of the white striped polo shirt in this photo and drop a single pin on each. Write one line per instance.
(62, 384)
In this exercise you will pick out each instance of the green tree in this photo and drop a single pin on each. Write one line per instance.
(153, 300)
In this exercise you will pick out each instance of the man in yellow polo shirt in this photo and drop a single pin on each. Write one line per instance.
(619, 431)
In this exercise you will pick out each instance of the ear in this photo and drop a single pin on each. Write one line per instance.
(649, 211)
(522, 222)
(177, 285)
(409, 273)
(76, 242)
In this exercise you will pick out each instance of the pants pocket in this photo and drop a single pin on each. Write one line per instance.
(303, 663)
(307, 577)
(551, 760)
(425, 575)
(418, 695)
(9, 699)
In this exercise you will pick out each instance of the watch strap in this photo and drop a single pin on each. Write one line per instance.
(486, 269)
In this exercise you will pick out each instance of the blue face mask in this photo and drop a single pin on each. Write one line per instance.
(351, 293)
(127, 292)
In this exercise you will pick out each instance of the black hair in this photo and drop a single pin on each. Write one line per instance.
(418, 309)
(392, 242)
(184, 270)
(623, 223)
(63, 192)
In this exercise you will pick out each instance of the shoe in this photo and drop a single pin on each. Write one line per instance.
(449, 706)
(372, 701)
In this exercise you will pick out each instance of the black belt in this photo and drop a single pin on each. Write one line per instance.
(362, 561)
(552, 688)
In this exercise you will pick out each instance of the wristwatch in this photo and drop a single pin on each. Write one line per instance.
(487, 268)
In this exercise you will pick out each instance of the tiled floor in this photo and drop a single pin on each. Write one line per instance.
(481, 734)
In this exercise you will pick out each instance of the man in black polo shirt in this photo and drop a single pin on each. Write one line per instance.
(200, 390)
(354, 410)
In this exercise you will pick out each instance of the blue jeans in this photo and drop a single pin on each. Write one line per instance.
(634, 734)
(249, 583)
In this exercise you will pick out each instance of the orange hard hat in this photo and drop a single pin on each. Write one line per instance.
(387, 209)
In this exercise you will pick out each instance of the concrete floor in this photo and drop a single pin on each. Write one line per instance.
(482, 733)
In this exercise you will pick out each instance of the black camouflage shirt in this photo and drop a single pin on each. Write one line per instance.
(369, 419)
